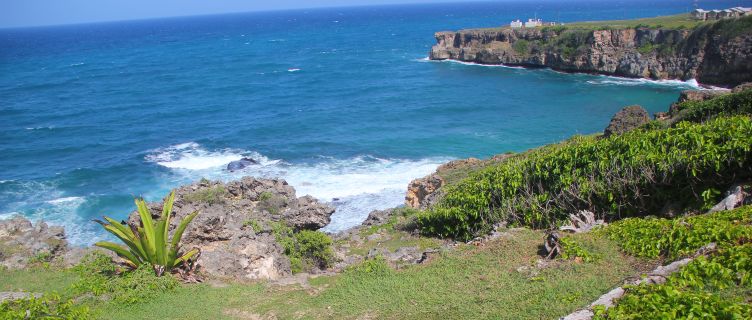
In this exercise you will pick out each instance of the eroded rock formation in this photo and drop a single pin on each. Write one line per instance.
(716, 54)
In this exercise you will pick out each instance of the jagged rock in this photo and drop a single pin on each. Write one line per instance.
(309, 214)
(583, 221)
(378, 217)
(22, 242)
(223, 230)
(735, 197)
(628, 118)
(17, 295)
(420, 192)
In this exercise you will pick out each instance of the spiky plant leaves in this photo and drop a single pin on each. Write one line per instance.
(150, 244)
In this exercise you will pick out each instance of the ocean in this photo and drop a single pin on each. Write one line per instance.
(340, 102)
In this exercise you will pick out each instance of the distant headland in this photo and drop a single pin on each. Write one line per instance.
(713, 49)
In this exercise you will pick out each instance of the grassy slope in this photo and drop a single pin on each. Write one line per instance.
(479, 282)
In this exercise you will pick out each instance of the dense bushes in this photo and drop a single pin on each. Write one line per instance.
(729, 104)
(306, 249)
(100, 277)
(654, 237)
(633, 174)
(47, 307)
(707, 288)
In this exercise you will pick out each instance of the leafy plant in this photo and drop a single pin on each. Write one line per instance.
(305, 249)
(211, 195)
(570, 249)
(47, 307)
(700, 290)
(673, 238)
(99, 276)
(271, 202)
(150, 244)
(620, 176)
(725, 105)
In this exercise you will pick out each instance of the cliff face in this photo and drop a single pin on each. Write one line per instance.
(716, 54)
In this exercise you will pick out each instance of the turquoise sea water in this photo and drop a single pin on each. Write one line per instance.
(340, 102)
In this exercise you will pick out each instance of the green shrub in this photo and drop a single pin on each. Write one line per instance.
(620, 176)
(646, 48)
(47, 307)
(376, 266)
(306, 249)
(271, 203)
(571, 249)
(701, 290)
(521, 46)
(150, 244)
(656, 237)
(255, 226)
(725, 105)
(100, 277)
(210, 196)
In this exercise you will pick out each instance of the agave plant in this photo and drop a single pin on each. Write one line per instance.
(150, 244)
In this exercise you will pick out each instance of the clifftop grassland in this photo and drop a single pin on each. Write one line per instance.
(674, 47)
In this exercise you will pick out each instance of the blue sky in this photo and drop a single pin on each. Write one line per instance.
(15, 13)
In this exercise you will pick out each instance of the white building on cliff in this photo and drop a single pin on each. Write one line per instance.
(516, 24)
(532, 23)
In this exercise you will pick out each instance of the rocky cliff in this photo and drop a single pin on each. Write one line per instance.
(715, 54)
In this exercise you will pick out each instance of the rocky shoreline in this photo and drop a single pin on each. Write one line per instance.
(709, 54)
(236, 227)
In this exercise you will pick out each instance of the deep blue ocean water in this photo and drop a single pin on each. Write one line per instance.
(340, 102)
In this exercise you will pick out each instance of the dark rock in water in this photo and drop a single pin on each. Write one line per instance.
(229, 213)
(21, 242)
(240, 164)
(627, 119)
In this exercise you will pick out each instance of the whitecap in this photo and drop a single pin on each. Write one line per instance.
(614, 80)
(293, 70)
(361, 184)
(76, 201)
(191, 156)
(475, 64)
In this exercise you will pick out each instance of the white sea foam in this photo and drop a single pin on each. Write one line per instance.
(293, 70)
(191, 156)
(473, 64)
(354, 186)
(43, 201)
(612, 80)
(67, 201)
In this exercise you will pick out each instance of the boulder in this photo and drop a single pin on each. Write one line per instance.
(23, 243)
(421, 192)
(628, 118)
(378, 217)
(228, 213)
(240, 164)
(735, 197)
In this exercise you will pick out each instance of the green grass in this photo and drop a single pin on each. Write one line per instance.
(679, 21)
(478, 282)
(37, 280)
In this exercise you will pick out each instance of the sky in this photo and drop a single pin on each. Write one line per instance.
(23, 13)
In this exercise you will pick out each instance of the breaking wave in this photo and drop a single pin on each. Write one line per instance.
(354, 186)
